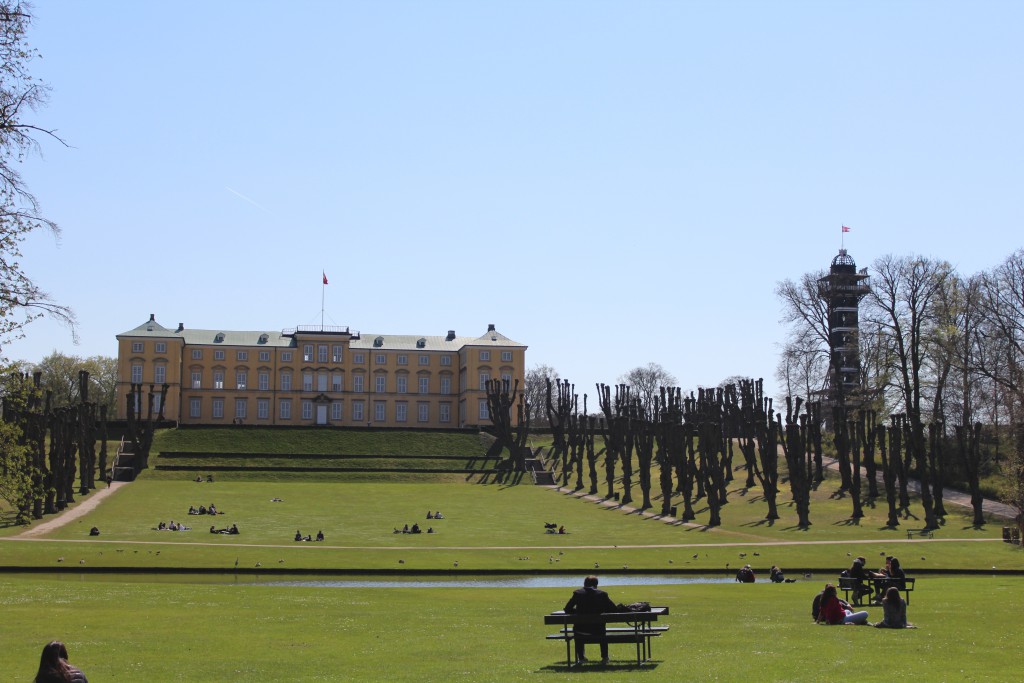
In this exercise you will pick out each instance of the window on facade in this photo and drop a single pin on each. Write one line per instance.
(422, 411)
(401, 411)
(137, 347)
(285, 408)
(357, 411)
(402, 383)
(241, 405)
(286, 381)
(337, 383)
(336, 354)
(359, 358)
(218, 380)
(378, 410)
(483, 412)
(218, 408)
(264, 356)
(264, 381)
(424, 385)
(485, 355)
(446, 360)
(159, 374)
(307, 353)
(307, 381)
(381, 382)
(195, 407)
(307, 410)
(446, 385)
(241, 355)
(357, 384)
(321, 381)
(424, 359)
(286, 356)
(403, 359)
(484, 379)
(506, 356)
(197, 354)
(506, 382)
(156, 403)
(444, 412)
(161, 347)
(381, 359)
(321, 353)
(262, 409)
(197, 379)
(241, 378)
(218, 355)
(336, 410)
(136, 374)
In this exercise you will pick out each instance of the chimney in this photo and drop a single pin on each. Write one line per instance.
(490, 328)
(181, 326)
(451, 335)
(152, 317)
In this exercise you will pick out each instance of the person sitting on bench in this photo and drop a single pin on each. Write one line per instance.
(589, 600)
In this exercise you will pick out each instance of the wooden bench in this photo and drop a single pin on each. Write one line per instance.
(639, 630)
(867, 587)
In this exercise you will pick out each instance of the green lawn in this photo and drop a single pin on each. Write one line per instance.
(132, 631)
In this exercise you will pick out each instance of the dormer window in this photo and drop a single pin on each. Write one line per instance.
(219, 338)
(421, 343)
(264, 337)
(378, 342)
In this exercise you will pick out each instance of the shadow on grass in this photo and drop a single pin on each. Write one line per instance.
(593, 667)
(851, 521)
(760, 522)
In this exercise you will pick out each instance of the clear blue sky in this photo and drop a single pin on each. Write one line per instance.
(611, 183)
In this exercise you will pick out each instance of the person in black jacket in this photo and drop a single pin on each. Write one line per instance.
(589, 600)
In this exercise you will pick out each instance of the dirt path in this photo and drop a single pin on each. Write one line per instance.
(71, 514)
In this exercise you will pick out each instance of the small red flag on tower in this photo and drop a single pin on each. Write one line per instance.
(845, 229)
(325, 274)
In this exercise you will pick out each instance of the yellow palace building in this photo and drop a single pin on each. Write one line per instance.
(316, 375)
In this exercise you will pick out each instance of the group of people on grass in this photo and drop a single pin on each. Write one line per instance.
(199, 479)
(203, 510)
(299, 537)
(553, 528)
(231, 530)
(173, 526)
(414, 529)
(829, 608)
(436, 515)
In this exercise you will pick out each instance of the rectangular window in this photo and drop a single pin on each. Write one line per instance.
(381, 359)
(403, 359)
(307, 353)
(307, 410)
(286, 356)
(336, 354)
(241, 355)
(378, 410)
(381, 381)
(262, 408)
(483, 413)
(218, 354)
(136, 374)
(197, 354)
(241, 406)
(422, 411)
(485, 355)
(424, 359)
(358, 358)
(159, 374)
(444, 412)
(241, 379)
(321, 353)
(321, 381)
(264, 356)
(337, 382)
(218, 408)
(161, 347)
(401, 411)
(286, 381)
(446, 385)
(264, 381)
(402, 384)
(446, 360)
(506, 356)
(307, 381)
(357, 384)
(195, 407)
(137, 347)
(484, 379)
(424, 385)
(506, 382)
(156, 404)
(286, 409)
(197, 379)
(218, 380)
(336, 410)
(357, 411)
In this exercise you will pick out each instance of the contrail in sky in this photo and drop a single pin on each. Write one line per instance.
(239, 194)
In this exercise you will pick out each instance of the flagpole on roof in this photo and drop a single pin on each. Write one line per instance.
(323, 290)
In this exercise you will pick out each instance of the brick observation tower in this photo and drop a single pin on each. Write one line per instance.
(841, 290)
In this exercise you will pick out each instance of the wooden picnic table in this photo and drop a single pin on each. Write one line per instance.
(639, 629)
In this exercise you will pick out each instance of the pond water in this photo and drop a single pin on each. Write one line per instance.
(313, 581)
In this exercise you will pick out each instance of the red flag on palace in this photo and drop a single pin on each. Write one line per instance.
(845, 229)
(325, 278)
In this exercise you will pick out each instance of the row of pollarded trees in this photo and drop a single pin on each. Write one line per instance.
(688, 447)
(943, 353)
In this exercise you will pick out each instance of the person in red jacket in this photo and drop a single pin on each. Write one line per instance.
(832, 612)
